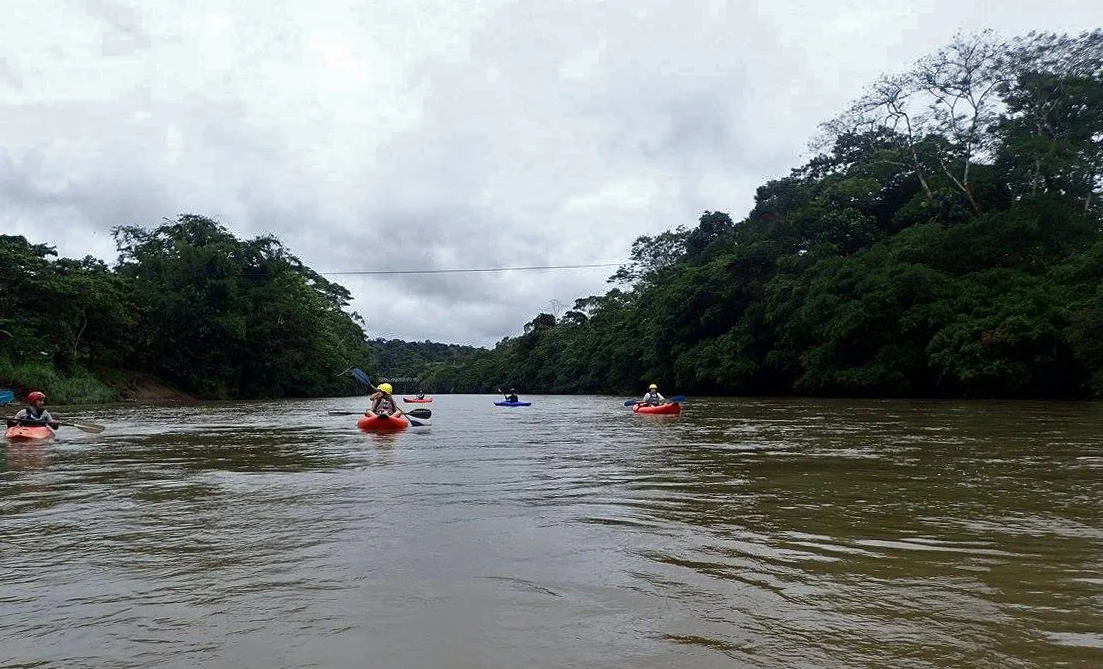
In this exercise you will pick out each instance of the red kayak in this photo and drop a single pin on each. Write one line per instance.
(28, 432)
(414, 400)
(374, 423)
(662, 409)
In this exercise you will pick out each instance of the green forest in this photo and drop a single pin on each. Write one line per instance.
(187, 303)
(945, 239)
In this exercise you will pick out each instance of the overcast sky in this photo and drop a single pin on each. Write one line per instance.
(411, 134)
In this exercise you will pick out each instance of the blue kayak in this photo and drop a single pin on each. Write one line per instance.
(505, 403)
(6, 397)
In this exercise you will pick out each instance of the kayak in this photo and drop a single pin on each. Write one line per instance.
(505, 403)
(414, 400)
(28, 432)
(662, 409)
(374, 423)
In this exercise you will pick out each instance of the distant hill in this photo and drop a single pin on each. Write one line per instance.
(406, 364)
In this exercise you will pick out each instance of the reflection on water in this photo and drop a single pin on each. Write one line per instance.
(764, 533)
(23, 455)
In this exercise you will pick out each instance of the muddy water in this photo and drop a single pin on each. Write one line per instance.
(764, 533)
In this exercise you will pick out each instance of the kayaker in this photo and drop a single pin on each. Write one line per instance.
(653, 396)
(512, 396)
(381, 401)
(35, 413)
(420, 395)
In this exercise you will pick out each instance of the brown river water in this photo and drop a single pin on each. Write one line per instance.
(744, 533)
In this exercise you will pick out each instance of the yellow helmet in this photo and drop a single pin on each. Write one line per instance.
(386, 387)
(652, 387)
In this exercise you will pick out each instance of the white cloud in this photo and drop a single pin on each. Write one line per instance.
(421, 133)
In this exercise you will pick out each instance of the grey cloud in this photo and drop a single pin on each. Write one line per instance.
(9, 76)
(125, 36)
(398, 135)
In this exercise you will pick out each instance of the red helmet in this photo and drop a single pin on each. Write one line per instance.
(36, 397)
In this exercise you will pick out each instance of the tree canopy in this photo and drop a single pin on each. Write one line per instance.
(188, 302)
(947, 240)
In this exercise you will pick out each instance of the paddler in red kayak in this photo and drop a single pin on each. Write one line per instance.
(653, 396)
(381, 401)
(35, 413)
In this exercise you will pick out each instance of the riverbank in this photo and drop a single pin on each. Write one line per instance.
(145, 388)
(84, 387)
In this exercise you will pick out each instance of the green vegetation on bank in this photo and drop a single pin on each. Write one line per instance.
(405, 363)
(77, 387)
(187, 303)
(947, 241)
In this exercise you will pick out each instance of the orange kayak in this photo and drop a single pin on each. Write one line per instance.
(414, 400)
(374, 423)
(28, 432)
(669, 408)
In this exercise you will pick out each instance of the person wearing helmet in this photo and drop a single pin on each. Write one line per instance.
(512, 396)
(382, 404)
(35, 413)
(653, 396)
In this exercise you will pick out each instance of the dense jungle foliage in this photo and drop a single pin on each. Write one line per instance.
(187, 302)
(947, 240)
(403, 363)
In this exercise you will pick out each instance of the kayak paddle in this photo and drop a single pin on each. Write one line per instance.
(360, 376)
(669, 400)
(416, 413)
(91, 428)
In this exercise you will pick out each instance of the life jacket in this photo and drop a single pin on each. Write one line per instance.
(29, 414)
(652, 397)
(386, 405)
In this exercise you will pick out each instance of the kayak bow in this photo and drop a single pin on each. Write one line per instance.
(670, 408)
(28, 432)
(384, 423)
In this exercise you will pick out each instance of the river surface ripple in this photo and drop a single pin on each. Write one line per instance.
(744, 533)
